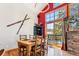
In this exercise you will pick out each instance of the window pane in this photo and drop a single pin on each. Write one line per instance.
(47, 26)
(47, 17)
(52, 18)
(74, 9)
(52, 14)
(56, 17)
(56, 13)
(62, 13)
(72, 13)
(50, 26)
(57, 4)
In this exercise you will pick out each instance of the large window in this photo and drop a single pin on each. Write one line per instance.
(74, 9)
(50, 28)
(49, 17)
(74, 17)
(60, 13)
(56, 14)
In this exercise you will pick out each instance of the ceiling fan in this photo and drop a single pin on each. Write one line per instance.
(21, 21)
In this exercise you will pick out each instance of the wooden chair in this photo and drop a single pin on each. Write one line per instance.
(1, 52)
(22, 49)
(31, 36)
(37, 49)
(23, 37)
(45, 46)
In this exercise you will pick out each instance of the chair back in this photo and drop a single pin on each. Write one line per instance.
(31, 37)
(38, 39)
(38, 42)
(23, 37)
(1, 52)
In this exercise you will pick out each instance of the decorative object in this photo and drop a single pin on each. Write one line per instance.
(25, 18)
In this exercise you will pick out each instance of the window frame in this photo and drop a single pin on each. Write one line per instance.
(53, 11)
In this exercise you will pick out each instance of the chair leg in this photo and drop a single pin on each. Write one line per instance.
(35, 53)
(19, 52)
(40, 53)
(23, 51)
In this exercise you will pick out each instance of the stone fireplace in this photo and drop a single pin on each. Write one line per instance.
(73, 41)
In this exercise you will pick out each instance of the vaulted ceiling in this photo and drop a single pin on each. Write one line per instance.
(35, 7)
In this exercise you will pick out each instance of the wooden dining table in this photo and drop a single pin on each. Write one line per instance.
(28, 44)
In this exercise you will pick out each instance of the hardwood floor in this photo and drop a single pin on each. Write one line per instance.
(51, 52)
(12, 52)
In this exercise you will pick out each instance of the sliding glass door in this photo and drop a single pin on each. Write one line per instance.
(55, 33)
(58, 32)
(50, 30)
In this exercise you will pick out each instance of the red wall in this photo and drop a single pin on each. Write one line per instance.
(41, 16)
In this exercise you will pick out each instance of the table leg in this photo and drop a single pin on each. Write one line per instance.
(29, 50)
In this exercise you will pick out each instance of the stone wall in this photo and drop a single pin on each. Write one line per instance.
(73, 41)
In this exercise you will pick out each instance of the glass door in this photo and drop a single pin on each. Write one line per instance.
(50, 32)
(55, 33)
(58, 32)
